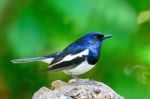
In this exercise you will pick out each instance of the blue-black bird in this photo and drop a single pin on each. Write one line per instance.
(77, 58)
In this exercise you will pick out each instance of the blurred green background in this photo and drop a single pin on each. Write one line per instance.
(30, 28)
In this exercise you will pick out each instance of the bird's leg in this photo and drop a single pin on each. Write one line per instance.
(75, 77)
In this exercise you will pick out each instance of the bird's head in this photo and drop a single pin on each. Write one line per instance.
(95, 38)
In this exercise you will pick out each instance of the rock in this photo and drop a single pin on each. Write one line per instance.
(82, 89)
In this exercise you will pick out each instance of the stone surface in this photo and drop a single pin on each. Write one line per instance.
(82, 89)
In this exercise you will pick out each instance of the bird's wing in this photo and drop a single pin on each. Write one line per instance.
(53, 55)
(68, 61)
(48, 59)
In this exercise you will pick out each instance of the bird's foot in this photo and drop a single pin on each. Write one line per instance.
(75, 77)
(78, 80)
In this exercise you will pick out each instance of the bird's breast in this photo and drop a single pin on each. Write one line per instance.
(93, 56)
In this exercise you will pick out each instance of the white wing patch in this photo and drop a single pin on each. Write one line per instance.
(47, 60)
(71, 57)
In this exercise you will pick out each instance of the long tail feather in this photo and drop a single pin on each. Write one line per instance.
(47, 59)
(24, 60)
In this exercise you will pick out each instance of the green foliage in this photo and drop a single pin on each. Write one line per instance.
(30, 28)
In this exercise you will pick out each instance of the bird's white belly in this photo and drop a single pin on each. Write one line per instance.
(80, 69)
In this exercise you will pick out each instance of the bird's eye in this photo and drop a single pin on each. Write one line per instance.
(95, 37)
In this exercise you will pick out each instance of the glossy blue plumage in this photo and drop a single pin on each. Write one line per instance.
(88, 42)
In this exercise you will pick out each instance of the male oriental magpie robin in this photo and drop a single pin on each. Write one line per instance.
(77, 58)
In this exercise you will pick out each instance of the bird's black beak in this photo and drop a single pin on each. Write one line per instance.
(107, 36)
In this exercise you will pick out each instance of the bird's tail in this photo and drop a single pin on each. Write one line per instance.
(24, 60)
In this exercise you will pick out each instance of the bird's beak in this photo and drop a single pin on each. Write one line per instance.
(107, 36)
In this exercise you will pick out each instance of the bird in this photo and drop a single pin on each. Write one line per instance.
(77, 58)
